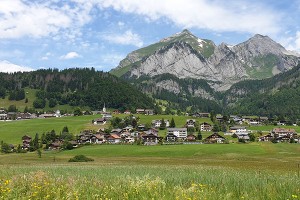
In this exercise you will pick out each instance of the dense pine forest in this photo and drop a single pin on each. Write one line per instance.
(75, 87)
(279, 95)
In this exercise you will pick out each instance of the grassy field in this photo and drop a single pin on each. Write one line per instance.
(232, 171)
(12, 131)
(203, 171)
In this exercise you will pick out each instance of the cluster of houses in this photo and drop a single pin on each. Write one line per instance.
(137, 111)
(15, 115)
(6, 116)
(151, 137)
(281, 135)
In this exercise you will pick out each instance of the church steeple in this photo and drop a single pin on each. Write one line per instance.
(104, 109)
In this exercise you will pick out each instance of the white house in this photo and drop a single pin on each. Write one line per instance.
(238, 130)
(178, 132)
(157, 123)
(205, 127)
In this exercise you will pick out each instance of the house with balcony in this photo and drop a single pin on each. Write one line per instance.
(180, 133)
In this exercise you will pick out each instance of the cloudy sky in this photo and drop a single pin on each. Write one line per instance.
(60, 34)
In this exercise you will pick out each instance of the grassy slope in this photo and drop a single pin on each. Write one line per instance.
(29, 93)
(12, 131)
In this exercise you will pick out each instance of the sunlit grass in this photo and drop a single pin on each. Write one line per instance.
(144, 182)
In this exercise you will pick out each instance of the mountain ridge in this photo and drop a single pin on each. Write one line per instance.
(188, 56)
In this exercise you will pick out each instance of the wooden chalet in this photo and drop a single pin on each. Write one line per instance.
(214, 138)
(191, 138)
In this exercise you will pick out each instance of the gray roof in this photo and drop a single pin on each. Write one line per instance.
(176, 129)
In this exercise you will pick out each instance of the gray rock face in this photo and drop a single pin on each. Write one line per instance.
(130, 58)
(169, 85)
(224, 67)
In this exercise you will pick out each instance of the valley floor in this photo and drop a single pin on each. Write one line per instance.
(224, 171)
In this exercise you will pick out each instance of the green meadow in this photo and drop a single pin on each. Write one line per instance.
(221, 171)
(197, 171)
(12, 131)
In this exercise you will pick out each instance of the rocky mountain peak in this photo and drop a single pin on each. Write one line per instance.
(186, 56)
(183, 35)
(261, 45)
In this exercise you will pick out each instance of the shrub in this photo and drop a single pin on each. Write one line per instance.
(80, 158)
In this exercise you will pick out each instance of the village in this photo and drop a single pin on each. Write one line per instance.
(132, 132)
(218, 129)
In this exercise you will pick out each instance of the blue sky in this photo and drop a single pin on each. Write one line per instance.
(37, 34)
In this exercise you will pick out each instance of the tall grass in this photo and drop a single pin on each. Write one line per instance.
(144, 182)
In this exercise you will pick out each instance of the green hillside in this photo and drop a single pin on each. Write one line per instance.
(21, 104)
(53, 89)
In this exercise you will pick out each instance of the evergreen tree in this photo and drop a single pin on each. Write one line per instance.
(199, 136)
(172, 123)
(216, 128)
(65, 130)
(162, 124)
(36, 141)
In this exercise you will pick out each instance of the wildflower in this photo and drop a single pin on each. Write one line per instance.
(6, 182)
(294, 196)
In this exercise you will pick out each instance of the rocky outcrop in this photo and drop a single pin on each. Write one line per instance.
(186, 56)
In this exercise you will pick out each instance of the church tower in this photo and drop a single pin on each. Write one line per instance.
(104, 109)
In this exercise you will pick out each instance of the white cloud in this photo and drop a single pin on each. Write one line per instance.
(217, 15)
(292, 42)
(127, 38)
(20, 18)
(44, 58)
(6, 66)
(70, 55)
(65, 19)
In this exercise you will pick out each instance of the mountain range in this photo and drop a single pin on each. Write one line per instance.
(190, 72)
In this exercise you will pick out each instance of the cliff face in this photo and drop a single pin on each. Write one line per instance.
(186, 56)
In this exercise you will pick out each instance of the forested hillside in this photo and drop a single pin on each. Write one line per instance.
(76, 87)
(279, 95)
(195, 94)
